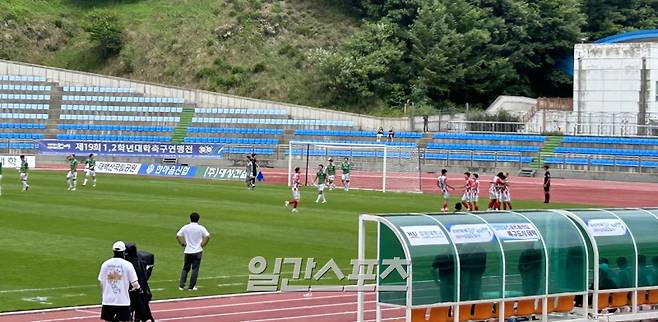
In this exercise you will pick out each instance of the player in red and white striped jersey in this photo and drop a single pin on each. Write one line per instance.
(466, 197)
(442, 183)
(475, 192)
(495, 190)
(505, 195)
(296, 195)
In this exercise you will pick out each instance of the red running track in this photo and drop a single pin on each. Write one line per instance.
(575, 191)
(293, 306)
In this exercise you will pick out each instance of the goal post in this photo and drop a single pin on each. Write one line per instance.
(375, 166)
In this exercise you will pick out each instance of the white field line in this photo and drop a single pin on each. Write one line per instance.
(150, 282)
(306, 307)
(322, 315)
(187, 299)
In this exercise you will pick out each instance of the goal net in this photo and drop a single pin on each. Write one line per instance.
(374, 166)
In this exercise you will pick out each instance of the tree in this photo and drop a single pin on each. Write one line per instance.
(104, 28)
(360, 70)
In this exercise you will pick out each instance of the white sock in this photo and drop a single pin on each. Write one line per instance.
(94, 181)
(84, 183)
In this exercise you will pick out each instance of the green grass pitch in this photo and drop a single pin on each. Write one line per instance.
(53, 241)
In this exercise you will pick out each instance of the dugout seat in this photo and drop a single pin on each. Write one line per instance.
(641, 297)
(565, 304)
(482, 312)
(440, 314)
(652, 297)
(619, 299)
(525, 308)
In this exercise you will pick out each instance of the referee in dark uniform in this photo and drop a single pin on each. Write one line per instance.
(547, 184)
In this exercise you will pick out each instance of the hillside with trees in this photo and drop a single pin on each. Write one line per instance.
(368, 56)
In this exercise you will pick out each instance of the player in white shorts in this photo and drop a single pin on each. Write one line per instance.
(23, 174)
(494, 192)
(475, 192)
(346, 168)
(331, 173)
(296, 195)
(90, 170)
(505, 195)
(72, 175)
(442, 184)
(320, 181)
(467, 195)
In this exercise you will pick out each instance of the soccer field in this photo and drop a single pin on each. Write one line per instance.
(53, 240)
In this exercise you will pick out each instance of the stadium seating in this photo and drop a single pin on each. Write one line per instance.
(477, 157)
(616, 152)
(122, 99)
(351, 153)
(142, 109)
(601, 162)
(101, 127)
(21, 78)
(12, 106)
(255, 141)
(120, 118)
(411, 135)
(243, 151)
(22, 126)
(129, 138)
(24, 97)
(123, 114)
(235, 130)
(23, 116)
(98, 89)
(29, 88)
(490, 137)
(270, 121)
(483, 147)
(609, 140)
(240, 111)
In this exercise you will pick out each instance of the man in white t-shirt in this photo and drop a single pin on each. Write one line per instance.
(116, 276)
(193, 237)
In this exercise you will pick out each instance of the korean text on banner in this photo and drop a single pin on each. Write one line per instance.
(130, 148)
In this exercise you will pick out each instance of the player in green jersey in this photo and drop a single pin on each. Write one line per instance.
(320, 180)
(72, 175)
(331, 174)
(23, 171)
(90, 170)
(346, 166)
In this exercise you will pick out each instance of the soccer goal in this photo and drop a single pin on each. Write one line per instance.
(373, 166)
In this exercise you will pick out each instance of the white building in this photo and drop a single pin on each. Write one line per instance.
(614, 88)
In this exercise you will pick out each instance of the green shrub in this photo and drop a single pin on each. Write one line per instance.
(494, 122)
(105, 29)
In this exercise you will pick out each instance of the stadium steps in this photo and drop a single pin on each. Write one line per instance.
(549, 146)
(425, 140)
(180, 132)
(54, 111)
(288, 135)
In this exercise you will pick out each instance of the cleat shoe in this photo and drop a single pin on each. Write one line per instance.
(287, 204)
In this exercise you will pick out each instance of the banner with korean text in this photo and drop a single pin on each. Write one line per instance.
(130, 149)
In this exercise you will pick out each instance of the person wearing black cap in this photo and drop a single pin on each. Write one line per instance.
(116, 276)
